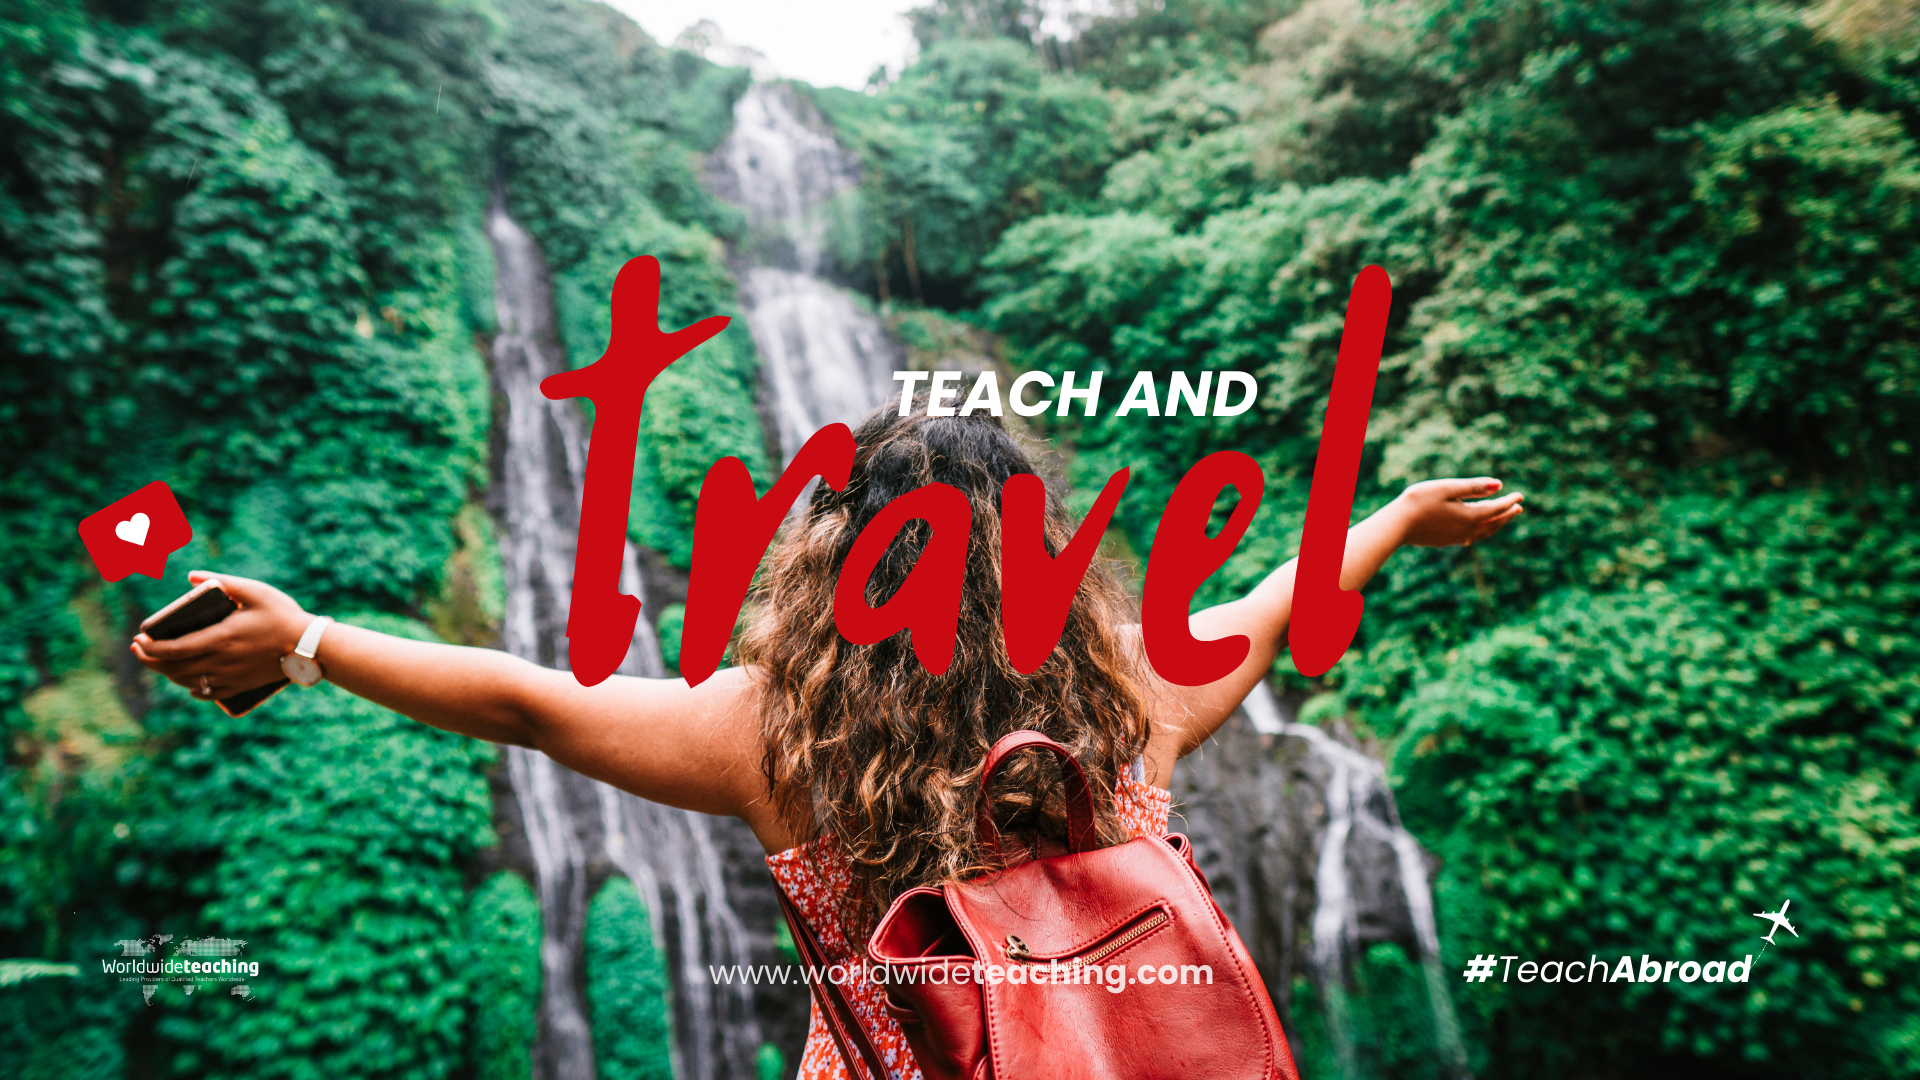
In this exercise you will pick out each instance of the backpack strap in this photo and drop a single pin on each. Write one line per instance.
(1080, 831)
(842, 1023)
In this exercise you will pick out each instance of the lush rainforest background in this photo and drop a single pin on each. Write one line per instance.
(1656, 263)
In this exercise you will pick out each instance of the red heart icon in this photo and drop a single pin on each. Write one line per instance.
(136, 534)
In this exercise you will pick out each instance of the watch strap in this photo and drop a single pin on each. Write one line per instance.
(310, 641)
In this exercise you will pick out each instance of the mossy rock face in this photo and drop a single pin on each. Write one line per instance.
(472, 597)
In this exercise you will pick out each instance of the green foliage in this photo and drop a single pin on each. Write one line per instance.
(331, 835)
(1015, 20)
(973, 137)
(1140, 45)
(503, 927)
(596, 122)
(1624, 771)
(1807, 267)
(769, 1063)
(194, 294)
(702, 109)
(1185, 151)
(627, 988)
(1350, 89)
(673, 620)
(1387, 1001)
(32, 1010)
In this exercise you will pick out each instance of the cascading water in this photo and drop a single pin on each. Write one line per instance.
(578, 829)
(1348, 886)
(535, 494)
(824, 357)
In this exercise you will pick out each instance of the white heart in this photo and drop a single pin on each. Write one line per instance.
(133, 530)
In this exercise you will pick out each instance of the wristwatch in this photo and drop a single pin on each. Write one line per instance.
(299, 664)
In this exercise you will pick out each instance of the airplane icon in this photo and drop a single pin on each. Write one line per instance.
(1779, 920)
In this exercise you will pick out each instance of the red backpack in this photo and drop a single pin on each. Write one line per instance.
(1127, 968)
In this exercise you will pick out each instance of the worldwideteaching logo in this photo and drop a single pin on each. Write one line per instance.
(195, 964)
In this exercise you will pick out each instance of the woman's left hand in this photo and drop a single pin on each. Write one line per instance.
(1436, 512)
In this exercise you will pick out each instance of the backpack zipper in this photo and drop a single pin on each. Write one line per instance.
(1018, 950)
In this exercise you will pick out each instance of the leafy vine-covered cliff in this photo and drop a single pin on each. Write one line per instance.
(243, 252)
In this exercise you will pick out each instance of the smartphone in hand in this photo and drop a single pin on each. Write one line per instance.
(202, 606)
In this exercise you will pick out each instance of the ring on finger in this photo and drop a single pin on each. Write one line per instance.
(205, 690)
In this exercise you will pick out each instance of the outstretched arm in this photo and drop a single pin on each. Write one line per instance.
(1432, 513)
(658, 738)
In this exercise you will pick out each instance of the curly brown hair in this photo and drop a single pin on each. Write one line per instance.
(862, 743)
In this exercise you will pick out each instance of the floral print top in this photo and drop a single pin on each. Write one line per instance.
(815, 876)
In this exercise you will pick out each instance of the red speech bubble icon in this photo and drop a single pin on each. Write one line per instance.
(136, 534)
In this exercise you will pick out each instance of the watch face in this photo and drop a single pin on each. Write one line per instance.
(301, 669)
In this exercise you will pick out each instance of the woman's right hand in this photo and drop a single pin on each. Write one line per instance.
(240, 652)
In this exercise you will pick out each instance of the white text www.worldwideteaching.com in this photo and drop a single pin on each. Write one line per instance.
(1114, 978)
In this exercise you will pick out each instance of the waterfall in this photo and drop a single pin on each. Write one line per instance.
(540, 458)
(1335, 922)
(824, 357)
(578, 830)
(1358, 801)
